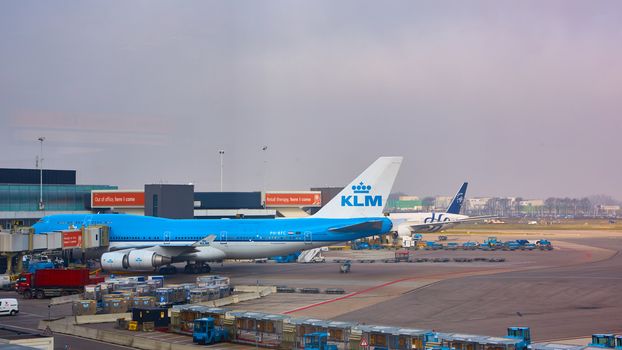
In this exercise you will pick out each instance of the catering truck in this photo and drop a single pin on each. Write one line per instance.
(54, 282)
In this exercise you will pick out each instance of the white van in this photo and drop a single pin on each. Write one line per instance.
(9, 306)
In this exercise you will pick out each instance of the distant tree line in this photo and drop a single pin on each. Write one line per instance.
(553, 207)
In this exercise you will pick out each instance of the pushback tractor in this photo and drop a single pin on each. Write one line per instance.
(205, 332)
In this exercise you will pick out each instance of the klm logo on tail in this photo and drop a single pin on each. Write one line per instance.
(361, 197)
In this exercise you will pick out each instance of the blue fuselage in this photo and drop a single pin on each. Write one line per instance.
(133, 231)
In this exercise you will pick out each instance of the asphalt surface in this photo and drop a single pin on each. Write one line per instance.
(570, 292)
(557, 303)
(33, 311)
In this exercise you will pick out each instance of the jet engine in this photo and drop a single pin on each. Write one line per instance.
(134, 260)
(146, 260)
(114, 261)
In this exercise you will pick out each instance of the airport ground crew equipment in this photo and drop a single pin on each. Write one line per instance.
(601, 340)
(54, 282)
(521, 333)
(357, 245)
(205, 332)
(402, 255)
(34, 266)
(544, 244)
(318, 341)
(345, 267)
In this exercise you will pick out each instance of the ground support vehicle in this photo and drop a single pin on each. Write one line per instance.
(45, 283)
(205, 332)
(318, 341)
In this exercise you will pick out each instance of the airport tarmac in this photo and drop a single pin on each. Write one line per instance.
(569, 292)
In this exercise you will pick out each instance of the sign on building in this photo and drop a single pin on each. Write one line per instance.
(293, 199)
(117, 199)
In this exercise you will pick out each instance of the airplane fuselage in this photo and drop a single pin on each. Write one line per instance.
(237, 239)
(427, 218)
(400, 226)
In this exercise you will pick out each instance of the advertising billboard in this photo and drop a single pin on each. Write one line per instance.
(117, 199)
(72, 239)
(293, 199)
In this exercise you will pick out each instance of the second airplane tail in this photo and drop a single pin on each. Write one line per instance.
(456, 203)
(367, 194)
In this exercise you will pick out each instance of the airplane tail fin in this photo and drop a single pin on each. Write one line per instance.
(456, 203)
(367, 194)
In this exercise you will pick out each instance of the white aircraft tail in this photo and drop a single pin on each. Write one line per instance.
(366, 196)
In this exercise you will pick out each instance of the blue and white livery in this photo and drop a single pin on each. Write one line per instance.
(146, 243)
(405, 224)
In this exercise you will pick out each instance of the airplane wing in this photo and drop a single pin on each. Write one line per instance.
(438, 226)
(171, 250)
(205, 241)
(362, 226)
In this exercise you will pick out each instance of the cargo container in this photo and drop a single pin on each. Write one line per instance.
(158, 279)
(115, 306)
(93, 292)
(54, 282)
(170, 296)
(142, 302)
(199, 295)
(84, 307)
(159, 316)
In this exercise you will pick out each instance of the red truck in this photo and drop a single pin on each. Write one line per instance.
(54, 282)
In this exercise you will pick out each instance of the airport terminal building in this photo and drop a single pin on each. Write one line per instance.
(21, 190)
(25, 197)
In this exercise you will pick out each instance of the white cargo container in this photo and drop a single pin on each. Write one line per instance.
(93, 292)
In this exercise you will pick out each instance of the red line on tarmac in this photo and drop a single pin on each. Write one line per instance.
(349, 295)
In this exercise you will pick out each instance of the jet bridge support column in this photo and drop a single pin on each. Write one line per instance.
(9, 263)
(20, 262)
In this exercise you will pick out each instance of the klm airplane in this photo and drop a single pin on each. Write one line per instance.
(405, 224)
(143, 243)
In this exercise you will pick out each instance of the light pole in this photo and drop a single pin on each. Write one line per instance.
(41, 205)
(222, 156)
(265, 166)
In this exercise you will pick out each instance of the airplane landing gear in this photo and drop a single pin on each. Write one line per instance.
(197, 268)
(167, 270)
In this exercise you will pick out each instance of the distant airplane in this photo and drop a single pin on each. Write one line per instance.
(146, 243)
(405, 224)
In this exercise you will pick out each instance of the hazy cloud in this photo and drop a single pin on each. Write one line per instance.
(519, 98)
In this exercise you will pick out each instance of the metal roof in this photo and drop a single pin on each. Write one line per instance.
(392, 330)
(260, 316)
(322, 323)
(480, 339)
(201, 308)
(554, 346)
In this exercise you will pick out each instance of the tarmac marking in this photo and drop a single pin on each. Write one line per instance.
(428, 278)
(351, 295)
